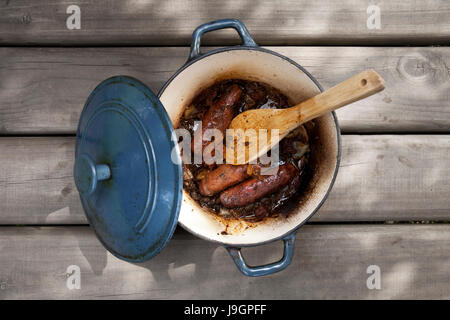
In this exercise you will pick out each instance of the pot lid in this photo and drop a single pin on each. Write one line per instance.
(130, 188)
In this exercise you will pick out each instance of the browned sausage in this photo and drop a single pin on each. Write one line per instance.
(220, 114)
(221, 178)
(253, 189)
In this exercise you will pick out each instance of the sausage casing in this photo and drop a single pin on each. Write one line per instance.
(219, 115)
(221, 178)
(253, 189)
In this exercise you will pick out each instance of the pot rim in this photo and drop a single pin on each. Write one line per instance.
(338, 134)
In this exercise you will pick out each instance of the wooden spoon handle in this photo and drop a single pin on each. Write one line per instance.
(356, 88)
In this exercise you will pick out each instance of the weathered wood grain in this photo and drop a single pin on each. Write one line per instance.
(386, 177)
(330, 262)
(36, 182)
(171, 22)
(42, 90)
(391, 177)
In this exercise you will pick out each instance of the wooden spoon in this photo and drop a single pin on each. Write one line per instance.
(356, 88)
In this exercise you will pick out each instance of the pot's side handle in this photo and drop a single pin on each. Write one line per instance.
(247, 39)
(267, 269)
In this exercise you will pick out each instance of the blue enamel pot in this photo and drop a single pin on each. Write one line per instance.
(131, 188)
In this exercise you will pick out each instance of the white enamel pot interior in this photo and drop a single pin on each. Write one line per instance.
(256, 64)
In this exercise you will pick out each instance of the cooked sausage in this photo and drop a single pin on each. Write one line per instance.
(221, 178)
(253, 189)
(219, 114)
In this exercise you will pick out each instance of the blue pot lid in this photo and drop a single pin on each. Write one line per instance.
(130, 188)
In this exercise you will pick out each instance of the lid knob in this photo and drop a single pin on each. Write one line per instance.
(87, 173)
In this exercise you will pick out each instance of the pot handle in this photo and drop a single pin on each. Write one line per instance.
(247, 39)
(267, 269)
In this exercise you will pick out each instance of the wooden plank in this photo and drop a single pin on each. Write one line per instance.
(36, 183)
(171, 22)
(413, 261)
(391, 177)
(386, 177)
(42, 90)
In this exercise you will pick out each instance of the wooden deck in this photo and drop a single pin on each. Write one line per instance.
(390, 205)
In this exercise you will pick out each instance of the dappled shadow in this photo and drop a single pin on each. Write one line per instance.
(381, 178)
(330, 262)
